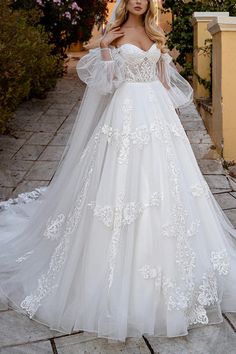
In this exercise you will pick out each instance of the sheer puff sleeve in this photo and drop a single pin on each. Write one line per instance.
(102, 69)
(179, 90)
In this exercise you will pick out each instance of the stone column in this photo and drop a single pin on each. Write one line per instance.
(201, 62)
(223, 31)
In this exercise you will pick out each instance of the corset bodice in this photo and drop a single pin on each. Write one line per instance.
(140, 65)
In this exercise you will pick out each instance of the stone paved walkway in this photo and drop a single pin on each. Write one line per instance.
(29, 156)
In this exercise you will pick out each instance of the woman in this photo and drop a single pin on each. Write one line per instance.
(127, 239)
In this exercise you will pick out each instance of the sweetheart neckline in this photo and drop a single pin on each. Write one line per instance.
(142, 50)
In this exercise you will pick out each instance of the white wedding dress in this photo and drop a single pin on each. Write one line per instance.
(127, 239)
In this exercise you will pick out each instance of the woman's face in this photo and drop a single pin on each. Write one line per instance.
(137, 7)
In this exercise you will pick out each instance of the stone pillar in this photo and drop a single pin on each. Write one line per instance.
(223, 31)
(201, 62)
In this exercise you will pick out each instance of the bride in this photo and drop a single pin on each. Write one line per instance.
(127, 239)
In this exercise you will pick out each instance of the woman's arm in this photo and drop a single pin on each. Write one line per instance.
(101, 68)
(178, 88)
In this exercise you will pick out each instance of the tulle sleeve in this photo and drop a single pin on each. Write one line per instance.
(179, 90)
(102, 69)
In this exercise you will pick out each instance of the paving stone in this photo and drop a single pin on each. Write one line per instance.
(66, 128)
(21, 134)
(52, 153)
(231, 214)
(33, 113)
(19, 165)
(9, 178)
(211, 167)
(28, 186)
(10, 143)
(6, 156)
(220, 190)
(217, 181)
(231, 316)
(233, 194)
(63, 106)
(88, 343)
(208, 339)
(198, 137)
(40, 138)
(194, 125)
(15, 328)
(42, 171)
(226, 200)
(204, 151)
(32, 348)
(5, 192)
(232, 183)
(29, 152)
(48, 127)
(53, 119)
(54, 111)
(60, 139)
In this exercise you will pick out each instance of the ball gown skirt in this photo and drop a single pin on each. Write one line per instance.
(128, 238)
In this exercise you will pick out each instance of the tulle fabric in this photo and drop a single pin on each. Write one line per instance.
(179, 90)
(103, 75)
(127, 239)
(107, 75)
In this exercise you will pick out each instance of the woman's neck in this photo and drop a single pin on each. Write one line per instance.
(134, 21)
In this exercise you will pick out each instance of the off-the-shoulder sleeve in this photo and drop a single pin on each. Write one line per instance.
(178, 88)
(105, 75)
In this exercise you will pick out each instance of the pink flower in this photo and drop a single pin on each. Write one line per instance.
(67, 14)
(58, 2)
(39, 2)
(74, 6)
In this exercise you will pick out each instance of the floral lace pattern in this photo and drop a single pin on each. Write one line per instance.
(194, 301)
(220, 261)
(24, 257)
(53, 226)
(118, 216)
(148, 271)
(181, 294)
(124, 145)
(142, 66)
(199, 190)
(23, 198)
(128, 212)
(47, 281)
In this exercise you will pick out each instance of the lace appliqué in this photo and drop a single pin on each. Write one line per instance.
(183, 293)
(53, 226)
(24, 257)
(47, 282)
(128, 212)
(148, 272)
(141, 71)
(23, 198)
(118, 216)
(198, 190)
(194, 301)
(220, 261)
(124, 144)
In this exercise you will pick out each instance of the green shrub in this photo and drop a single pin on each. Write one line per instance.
(27, 67)
(181, 35)
(67, 21)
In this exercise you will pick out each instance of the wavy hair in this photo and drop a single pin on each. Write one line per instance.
(154, 32)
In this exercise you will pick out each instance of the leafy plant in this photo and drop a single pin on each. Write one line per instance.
(181, 35)
(27, 67)
(67, 21)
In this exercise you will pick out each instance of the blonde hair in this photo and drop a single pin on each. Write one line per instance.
(154, 32)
